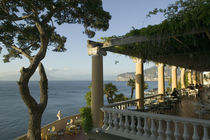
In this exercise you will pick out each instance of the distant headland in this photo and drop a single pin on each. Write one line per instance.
(150, 74)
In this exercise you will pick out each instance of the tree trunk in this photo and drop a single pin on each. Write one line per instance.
(132, 93)
(35, 110)
(34, 126)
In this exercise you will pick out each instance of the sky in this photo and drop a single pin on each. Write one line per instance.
(75, 64)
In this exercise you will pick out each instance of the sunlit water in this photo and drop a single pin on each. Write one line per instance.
(67, 96)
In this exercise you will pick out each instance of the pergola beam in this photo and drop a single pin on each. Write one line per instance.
(139, 39)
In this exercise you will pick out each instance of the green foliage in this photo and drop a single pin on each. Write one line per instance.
(168, 89)
(146, 85)
(120, 97)
(86, 117)
(110, 92)
(132, 82)
(186, 79)
(88, 98)
(182, 16)
(170, 81)
(179, 84)
(22, 23)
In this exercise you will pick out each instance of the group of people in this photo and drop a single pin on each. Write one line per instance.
(196, 86)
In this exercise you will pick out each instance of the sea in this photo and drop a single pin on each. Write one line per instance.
(66, 96)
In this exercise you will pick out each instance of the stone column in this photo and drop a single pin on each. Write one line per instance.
(97, 100)
(139, 86)
(183, 78)
(97, 95)
(161, 80)
(194, 77)
(201, 78)
(174, 77)
(189, 77)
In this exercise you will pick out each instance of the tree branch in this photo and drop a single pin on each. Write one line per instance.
(29, 46)
(21, 18)
(22, 52)
(52, 12)
(177, 40)
(43, 87)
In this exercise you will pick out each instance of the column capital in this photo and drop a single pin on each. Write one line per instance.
(94, 48)
(160, 65)
(173, 67)
(138, 60)
(189, 70)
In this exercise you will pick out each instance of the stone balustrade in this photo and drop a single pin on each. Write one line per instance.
(133, 102)
(144, 126)
(58, 124)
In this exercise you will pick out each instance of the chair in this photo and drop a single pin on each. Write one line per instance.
(71, 130)
(51, 134)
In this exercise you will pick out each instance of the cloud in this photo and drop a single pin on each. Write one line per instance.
(50, 69)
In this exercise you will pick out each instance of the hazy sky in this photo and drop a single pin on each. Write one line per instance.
(75, 64)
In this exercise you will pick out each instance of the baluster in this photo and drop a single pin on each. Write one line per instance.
(126, 124)
(146, 128)
(139, 127)
(153, 129)
(105, 120)
(160, 130)
(110, 120)
(205, 133)
(195, 132)
(185, 134)
(133, 127)
(176, 132)
(121, 125)
(123, 107)
(115, 121)
(168, 130)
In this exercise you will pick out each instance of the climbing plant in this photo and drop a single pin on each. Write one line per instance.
(176, 34)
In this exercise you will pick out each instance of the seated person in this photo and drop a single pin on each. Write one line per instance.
(196, 86)
(175, 93)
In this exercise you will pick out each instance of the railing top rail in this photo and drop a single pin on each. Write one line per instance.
(131, 100)
(159, 116)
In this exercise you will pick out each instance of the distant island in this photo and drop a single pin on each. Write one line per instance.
(150, 74)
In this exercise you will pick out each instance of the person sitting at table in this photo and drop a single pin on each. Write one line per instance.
(175, 93)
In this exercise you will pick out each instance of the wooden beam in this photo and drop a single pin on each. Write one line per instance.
(207, 33)
(139, 39)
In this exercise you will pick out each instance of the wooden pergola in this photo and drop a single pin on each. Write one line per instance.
(190, 52)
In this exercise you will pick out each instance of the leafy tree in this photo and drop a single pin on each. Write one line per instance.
(27, 28)
(120, 97)
(132, 82)
(109, 91)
